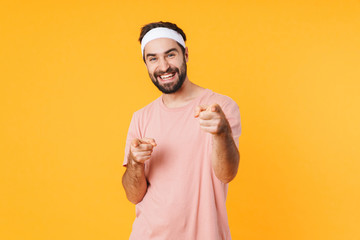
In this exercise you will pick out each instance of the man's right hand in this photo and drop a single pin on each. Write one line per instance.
(134, 180)
(141, 149)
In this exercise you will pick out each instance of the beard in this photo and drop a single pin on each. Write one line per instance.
(172, 87)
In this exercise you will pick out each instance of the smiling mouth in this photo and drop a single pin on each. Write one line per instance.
(167, 76)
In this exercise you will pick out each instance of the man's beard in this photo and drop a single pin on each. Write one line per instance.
(172, 87)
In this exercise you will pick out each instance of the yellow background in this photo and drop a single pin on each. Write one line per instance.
(71, 76)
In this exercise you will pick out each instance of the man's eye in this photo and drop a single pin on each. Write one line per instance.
(171, 55)
(152, 59)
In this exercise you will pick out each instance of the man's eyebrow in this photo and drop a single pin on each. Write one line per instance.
(150, 55)
(168, 51)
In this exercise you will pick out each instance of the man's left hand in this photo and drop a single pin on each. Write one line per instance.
(212, 119)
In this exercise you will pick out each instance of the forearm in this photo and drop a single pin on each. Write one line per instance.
(134, 181)
(225, 157)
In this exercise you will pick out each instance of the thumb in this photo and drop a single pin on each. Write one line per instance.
(135, 142)
(199, 109)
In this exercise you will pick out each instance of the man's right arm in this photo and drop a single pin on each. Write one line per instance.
(134, 180)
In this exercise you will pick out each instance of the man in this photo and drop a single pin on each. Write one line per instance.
(181, 149)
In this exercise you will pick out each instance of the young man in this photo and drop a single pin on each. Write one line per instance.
(181, 149)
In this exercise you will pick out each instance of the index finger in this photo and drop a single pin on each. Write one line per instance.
(149, 140)
(215, 108)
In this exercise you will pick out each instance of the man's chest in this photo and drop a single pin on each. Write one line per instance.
(180, 144)
(173, 129)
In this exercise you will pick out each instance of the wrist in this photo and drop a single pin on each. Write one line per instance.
(135, 164)
(223, 136)
(224, 132)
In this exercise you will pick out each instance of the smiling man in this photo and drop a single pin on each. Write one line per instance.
(181, 150)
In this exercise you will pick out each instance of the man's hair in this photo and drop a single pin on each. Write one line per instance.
(169, 25)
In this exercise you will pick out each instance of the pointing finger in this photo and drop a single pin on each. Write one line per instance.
(215, 108)
(149, 140)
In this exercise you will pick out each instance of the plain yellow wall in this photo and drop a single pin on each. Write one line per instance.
(71, 75)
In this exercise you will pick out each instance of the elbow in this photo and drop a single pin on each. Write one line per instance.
(134, 200)
(135, 197)
(228, 178)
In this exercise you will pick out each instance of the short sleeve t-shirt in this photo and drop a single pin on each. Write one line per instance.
(184, 199)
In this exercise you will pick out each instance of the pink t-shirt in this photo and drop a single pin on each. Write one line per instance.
(184, 199)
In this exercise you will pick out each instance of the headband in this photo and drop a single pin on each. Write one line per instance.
(161, 32)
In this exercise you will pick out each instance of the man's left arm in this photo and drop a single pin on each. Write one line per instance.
(225, 154)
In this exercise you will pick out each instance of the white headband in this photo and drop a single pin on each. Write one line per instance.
(161, 32)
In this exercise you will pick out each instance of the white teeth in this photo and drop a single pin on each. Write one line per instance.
(164, 77)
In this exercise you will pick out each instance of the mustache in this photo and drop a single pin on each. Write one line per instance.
(169, 70)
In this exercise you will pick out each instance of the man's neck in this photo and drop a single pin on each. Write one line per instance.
(183, 96)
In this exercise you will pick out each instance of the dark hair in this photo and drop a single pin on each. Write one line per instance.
(169, 25)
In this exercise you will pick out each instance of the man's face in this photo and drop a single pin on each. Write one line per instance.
(166, 64)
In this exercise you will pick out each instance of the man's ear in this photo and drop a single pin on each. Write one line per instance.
(186, 54)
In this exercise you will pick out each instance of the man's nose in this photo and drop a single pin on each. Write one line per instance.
(163, 65)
